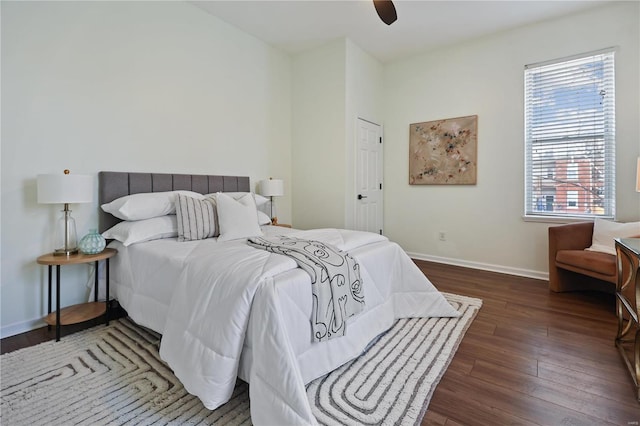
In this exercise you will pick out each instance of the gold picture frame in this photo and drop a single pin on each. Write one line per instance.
(444, 152)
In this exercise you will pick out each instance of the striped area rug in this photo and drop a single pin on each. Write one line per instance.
(114, 376)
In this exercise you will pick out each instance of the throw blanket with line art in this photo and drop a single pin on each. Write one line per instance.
(335, 281)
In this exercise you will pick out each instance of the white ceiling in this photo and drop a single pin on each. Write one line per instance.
(295, 26)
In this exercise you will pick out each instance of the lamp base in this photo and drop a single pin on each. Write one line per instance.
(64, 252)
(66, 240)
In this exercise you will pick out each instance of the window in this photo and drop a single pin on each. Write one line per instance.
(570, 137)
(572, 199)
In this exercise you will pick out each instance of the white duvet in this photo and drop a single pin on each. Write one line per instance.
(234, 310)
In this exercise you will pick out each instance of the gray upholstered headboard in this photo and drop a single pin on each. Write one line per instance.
(113, 185)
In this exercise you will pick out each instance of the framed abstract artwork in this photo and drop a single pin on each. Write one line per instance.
(444, 152)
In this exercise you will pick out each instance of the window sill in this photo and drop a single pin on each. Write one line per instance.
(558, 219)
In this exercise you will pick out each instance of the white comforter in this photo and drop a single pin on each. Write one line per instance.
(226, 295)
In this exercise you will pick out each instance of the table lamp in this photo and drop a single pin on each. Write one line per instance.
(272, 188)
(65, 189)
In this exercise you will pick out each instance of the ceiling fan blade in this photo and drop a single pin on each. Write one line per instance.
(386, 11)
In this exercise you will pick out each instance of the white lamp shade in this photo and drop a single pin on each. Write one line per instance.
(61, 188)
(272, 187)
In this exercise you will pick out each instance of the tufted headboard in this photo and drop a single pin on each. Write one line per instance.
(113, 185)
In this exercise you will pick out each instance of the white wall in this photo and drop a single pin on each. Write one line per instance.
(318, 135)
(483, 223)
(128, 86)
(333, 86)
(364, 91)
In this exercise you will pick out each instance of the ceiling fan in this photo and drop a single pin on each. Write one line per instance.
(386, 11)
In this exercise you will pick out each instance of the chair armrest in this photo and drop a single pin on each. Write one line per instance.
(573, 236)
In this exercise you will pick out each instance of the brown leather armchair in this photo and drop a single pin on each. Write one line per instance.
(571, 267)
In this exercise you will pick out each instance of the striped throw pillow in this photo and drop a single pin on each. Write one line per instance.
(196, 218)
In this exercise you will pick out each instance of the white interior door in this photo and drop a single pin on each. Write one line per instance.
(369, 208)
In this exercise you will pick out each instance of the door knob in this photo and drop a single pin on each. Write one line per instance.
(360, 196)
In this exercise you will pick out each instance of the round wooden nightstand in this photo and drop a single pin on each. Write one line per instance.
(83, 311)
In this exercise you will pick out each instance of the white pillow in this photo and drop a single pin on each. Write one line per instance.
(263, 218)
(146, 204)
(196, 218)
(237, 219)
(143, 230)
(605, 232)
(260, 200)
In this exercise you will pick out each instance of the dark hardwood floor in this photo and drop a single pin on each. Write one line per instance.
(531, 357)
(19, 341)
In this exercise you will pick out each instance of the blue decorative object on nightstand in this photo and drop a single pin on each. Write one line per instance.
(92, 243)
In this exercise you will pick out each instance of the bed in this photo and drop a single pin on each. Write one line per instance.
(227, 310)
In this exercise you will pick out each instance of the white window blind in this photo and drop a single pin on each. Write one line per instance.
(570, 137)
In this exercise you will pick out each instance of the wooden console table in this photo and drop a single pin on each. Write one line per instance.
(627, 298)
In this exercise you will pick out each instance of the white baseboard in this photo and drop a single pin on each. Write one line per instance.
(538, 275)
(21, 327)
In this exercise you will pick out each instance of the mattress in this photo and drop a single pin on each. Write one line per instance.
(143, 275)
(150, 280)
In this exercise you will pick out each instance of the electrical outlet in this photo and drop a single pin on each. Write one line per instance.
(442, 236)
